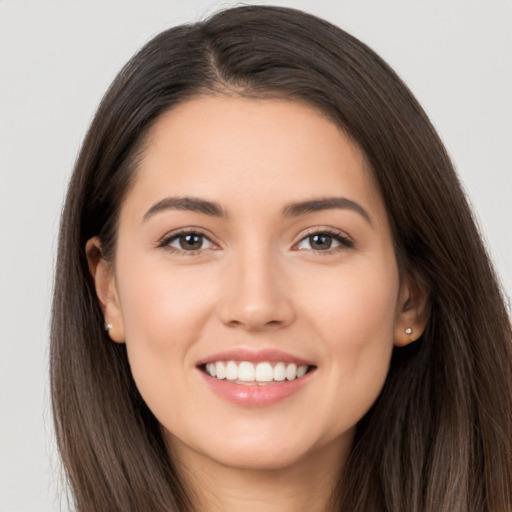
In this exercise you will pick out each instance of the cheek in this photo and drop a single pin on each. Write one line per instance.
(356, 304)
(164, 313)
(160, 307)
(355, 317)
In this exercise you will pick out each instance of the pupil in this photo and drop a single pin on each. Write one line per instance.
(321, 242)
(191, 242)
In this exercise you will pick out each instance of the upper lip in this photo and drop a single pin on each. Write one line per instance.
(254, 356)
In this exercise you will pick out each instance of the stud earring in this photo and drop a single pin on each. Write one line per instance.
(108, 327)
(408, 330)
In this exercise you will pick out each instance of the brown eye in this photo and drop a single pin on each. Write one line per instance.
(324, 241)
(188, 242)
(320, 242)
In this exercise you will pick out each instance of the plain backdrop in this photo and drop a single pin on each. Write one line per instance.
(56, 60)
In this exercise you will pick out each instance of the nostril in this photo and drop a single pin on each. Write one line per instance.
(256, 305)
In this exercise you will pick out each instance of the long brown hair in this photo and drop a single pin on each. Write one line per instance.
(439, 436)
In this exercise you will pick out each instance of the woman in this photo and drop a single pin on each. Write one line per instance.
(271, 293)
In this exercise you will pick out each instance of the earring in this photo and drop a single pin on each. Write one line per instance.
(108, 327)
(408, 330)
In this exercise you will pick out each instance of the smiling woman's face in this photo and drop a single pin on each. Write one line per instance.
(255, 246)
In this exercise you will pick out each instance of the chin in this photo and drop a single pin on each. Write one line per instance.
(260, 458)
(260, 450)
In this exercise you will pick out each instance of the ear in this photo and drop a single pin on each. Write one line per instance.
(103, 276)
(413, 310)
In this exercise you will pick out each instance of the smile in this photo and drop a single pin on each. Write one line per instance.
(255, 378)
(246, 372)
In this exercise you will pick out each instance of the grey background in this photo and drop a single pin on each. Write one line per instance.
(56, 60)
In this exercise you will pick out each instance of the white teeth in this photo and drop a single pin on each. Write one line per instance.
(220, 370)
(279, 372)
(231, 371)
(291, 371)
(264, 372)
(246, 371)
(301, 371)
(210, 368)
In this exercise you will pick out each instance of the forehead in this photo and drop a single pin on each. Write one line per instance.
(259, 152)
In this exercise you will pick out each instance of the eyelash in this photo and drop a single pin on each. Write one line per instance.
(344, 241)
(167, 240)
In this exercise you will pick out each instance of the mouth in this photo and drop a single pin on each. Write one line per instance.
(256, 378)
(256, 373)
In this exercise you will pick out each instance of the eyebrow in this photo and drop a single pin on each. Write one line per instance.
(194, 204)
(326, 203)
(191, 204)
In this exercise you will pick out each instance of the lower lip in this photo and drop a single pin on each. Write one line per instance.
(255, 395)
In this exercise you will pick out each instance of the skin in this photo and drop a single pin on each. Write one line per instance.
(256, 282)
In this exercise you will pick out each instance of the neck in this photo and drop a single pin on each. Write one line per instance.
(305, 485)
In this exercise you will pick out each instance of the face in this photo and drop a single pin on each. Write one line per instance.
(255, 283)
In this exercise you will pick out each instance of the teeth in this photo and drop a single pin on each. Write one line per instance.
(211, 369)
(231, 370)
(220, 370)
(280, 372)
(246, 371)
(291, 371)
(301, 371)
(264, 372)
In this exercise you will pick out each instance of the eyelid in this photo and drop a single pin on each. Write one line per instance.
(172, 235)
(340, 236)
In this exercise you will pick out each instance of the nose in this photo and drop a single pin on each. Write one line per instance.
(256, 296)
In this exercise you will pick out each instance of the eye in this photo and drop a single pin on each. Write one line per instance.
(323, 241)
(189, 241)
